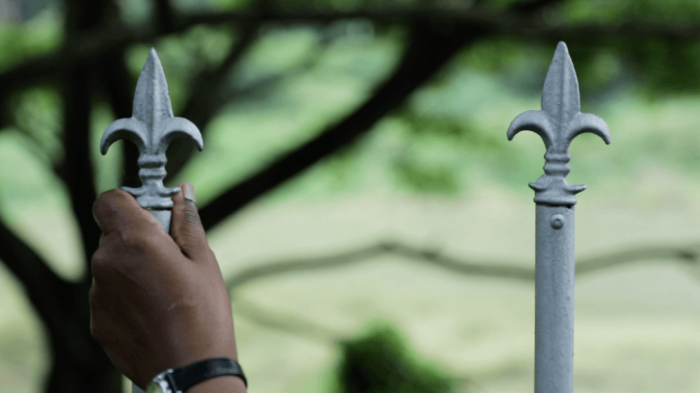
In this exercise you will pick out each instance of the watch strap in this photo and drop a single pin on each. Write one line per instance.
(188, 376)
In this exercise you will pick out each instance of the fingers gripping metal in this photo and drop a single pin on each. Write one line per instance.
(152, 127)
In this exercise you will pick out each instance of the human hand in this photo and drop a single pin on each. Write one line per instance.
(157, 301)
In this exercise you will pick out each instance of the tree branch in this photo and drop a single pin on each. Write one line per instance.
(95, 44)
(274, 319)
(422, 59)
(119, 87)
(689, 255)
(164, 15)
(207, 97)
(520, 22)
(44, 288)
(34, 145)
(213, 94)
(76, 167)
(286, 322)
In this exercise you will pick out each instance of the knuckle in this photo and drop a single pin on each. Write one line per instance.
(107, 204)
(131, 244)
(129, 236)
(117, 256)
(206, 255)
(125, 239)
(190, 204)
(104, 200)
(192, 215)
(99, 261)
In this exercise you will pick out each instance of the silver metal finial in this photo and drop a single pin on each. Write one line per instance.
(152, 127)
(558, 123)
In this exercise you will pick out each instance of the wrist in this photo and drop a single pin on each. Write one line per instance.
(223, 384)
(209, 375)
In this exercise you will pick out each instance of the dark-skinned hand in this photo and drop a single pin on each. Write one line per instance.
(158, 300)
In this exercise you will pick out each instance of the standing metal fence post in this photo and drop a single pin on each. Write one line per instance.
(559, 121)
(152, 127)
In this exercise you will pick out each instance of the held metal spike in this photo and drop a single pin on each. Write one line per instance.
(152, 127)
(558, 123)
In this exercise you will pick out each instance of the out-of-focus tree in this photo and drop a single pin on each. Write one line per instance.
(380, 362)
(68, 67)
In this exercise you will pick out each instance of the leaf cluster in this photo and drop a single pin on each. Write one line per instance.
(381, 362)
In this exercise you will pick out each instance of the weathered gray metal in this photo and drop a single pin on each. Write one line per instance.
(151, 127)
(559, 121)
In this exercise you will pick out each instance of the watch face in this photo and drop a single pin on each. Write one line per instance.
(156, 387)
(153, 388)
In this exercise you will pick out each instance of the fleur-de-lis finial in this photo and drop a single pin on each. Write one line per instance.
(558, 123)
(151, 127)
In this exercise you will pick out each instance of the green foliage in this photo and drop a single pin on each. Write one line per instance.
(427, 177)
(380, 362)
(605, 11)
(668, 67)
(24, 179)
(654, 66)
(298, 79)
(518, 66)
(428, 161)
(37, 112)
(135, 12)
(19, 42)
(231, 4)
(185, 55)
(448, 138)
(346, 5)
(657, 66)
(304, 86)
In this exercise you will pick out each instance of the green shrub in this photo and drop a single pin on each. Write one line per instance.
(381, 362)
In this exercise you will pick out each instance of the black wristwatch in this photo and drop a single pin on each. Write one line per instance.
(178, 380)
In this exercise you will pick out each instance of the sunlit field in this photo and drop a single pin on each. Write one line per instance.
(636, 325)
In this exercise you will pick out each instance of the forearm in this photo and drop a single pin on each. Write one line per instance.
(224, 384)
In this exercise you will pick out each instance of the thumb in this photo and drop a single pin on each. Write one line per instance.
(186, 227)
(116, 211)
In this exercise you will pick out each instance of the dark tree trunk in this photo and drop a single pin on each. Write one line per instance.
(78, 363)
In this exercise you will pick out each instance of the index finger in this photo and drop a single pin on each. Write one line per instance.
(117, 210)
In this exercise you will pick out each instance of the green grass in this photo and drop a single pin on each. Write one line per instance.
(636, 326)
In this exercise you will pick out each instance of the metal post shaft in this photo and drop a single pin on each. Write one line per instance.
(554, 300)
(164, 217)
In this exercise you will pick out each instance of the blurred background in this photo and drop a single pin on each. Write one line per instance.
(372, 221)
